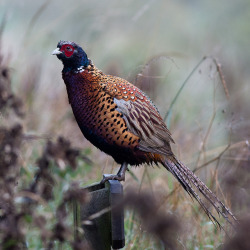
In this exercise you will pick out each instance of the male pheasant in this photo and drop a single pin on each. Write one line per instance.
(119, 119)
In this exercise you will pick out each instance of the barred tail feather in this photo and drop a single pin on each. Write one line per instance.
(191, 183)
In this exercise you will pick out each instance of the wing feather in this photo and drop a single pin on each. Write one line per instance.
(145, 122)
(141, 116)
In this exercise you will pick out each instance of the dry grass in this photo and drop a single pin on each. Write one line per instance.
(210, 130)
(53, 166)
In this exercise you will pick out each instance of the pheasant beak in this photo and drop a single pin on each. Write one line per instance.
(56, 52)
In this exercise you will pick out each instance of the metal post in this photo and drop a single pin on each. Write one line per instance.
(107, 228)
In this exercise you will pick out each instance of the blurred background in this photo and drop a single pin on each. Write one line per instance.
(157, 45)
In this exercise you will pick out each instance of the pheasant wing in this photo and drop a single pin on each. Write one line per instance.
(141, 116)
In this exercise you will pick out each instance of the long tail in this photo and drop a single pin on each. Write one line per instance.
(191, 183)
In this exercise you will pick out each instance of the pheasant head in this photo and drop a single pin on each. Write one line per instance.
(72, 55)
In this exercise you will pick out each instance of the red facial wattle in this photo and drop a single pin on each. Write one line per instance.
(68, 50)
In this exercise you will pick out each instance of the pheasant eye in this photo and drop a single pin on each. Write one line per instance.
(68, 50)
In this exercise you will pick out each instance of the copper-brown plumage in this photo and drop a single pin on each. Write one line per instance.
(122, 121)
(118, 115)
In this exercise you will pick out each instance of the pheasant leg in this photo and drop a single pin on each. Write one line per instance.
(120, 176)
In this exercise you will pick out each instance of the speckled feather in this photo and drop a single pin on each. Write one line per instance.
(97, 103)
(122, 121)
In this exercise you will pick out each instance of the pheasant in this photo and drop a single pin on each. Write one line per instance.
(120, 120)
